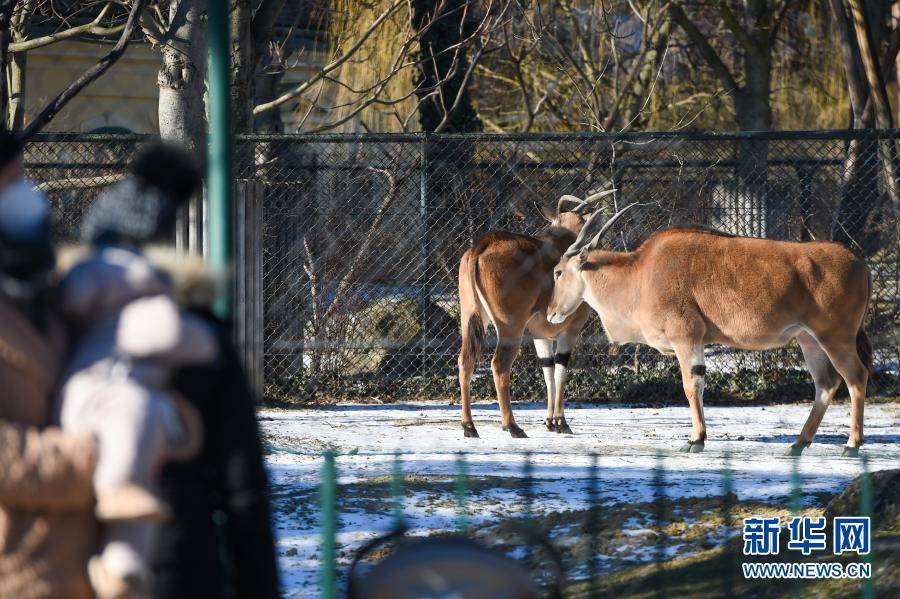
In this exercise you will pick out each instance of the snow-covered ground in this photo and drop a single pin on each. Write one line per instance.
(630, 442)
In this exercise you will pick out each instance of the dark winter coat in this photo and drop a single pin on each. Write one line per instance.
(220, 543)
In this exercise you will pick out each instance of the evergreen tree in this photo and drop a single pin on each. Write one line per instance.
(439, 61)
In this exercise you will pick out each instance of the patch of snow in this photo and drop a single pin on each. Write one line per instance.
(631, 444)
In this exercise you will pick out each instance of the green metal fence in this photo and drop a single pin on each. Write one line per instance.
(726, 572)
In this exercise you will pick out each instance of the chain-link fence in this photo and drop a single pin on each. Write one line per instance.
(362, 236)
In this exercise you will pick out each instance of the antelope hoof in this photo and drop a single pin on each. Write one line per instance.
(692, 447)
(850, 452)
(469, 429)
(563, 427)
(515, 431)
(550, 425)
(796, 449)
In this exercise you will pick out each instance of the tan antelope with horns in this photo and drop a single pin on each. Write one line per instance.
(505, 280)
(685, 288)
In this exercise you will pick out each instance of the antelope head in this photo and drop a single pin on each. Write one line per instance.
(570, 210)
(568, 283)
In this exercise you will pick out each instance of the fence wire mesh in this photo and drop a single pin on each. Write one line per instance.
(362, 237)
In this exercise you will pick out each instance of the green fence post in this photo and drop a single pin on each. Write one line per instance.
(796, 505)
(593, 526)
(727, 524)
(218, 190)
(528, 496)
(397, 488)
(865, 508)
(659, 499)
(328, 524)
(462, 518)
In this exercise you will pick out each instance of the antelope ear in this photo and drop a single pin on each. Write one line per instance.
(581, 257)
(546, 212)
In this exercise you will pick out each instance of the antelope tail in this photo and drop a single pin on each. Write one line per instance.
(863, 345)
(473, 330)
(864, 349)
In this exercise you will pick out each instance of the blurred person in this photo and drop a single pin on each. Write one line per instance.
(130, 337)
(47, 529)
(219, 543)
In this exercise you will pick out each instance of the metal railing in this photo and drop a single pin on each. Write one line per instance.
(724, 571)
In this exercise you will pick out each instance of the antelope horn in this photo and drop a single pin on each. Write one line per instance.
(567, 199)
(587, 232)
(599, 194)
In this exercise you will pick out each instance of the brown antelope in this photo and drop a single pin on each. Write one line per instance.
(505, 280)
(685, 288)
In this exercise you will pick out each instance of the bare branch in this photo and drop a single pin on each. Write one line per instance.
(93, 73)
(746, 40)
(330, 67)
(357, 260)
(95, 27)
(79, 182)
(706, 50)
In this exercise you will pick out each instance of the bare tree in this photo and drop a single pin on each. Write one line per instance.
(252, 25)
(97, 19)
(366, 80)
(755, 29)
(328, 318)
(574, 65)
(6, 12)
(90, 75)
(753, 26)
(870, 41)
(178, 29)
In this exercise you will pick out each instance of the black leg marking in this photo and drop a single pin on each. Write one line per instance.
(562, 359)
(698, 370)
(546, 362)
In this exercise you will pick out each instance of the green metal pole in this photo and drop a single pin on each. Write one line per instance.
(865, 507)
(219, 148)
(659, 517)
(328, 524)
(731, 564)
(796, 506)
(397, 488)
(462, 518)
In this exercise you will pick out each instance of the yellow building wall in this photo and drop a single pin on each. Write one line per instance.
(126, 95)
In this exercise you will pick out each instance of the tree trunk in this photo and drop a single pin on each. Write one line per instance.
(15, 70)
(6, 11)
(850, 225)
(15, 81)
(242, 68)
(442, 64)
(181, 108)
(757, 212)
(252, 24)
(878, 94)
(268, 155)
(267, 86)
